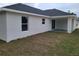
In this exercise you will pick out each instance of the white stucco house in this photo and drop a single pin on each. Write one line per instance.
(19, 20)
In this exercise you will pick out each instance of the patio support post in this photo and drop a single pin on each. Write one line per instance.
(69, 25)
(75, 23)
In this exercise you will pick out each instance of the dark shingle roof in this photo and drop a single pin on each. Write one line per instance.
(56, 12)
(26, 8)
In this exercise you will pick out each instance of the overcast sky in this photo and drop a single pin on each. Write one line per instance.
(73, 7)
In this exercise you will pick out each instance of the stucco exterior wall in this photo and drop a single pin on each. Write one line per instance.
(3, 33)
(10, 25)
(61, 24)
(35, 26)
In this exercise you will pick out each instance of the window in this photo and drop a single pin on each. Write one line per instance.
(43, 21)
(24, 23)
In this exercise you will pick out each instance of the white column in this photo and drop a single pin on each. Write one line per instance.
(69, 25)
(75, 24)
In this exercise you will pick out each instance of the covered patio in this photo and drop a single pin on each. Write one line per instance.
(64, 23)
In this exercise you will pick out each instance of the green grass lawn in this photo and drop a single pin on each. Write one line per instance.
(45, 44)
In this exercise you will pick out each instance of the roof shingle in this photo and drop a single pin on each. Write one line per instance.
(56, 12)
(26, 8)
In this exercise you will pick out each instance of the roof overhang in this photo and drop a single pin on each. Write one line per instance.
(64, 16)
(22, 12)
(28, 13)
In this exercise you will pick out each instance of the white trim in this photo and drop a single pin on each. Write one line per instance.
(65, 16)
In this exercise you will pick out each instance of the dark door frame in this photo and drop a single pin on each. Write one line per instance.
(53, 24)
